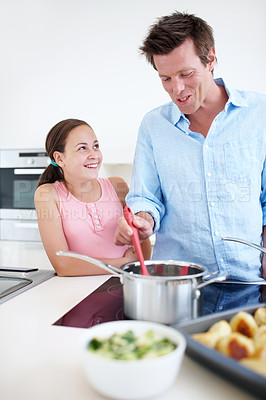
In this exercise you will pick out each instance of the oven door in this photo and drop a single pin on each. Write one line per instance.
(17, 186)
(18, 219)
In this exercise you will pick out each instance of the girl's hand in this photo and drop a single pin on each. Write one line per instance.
(130, 255)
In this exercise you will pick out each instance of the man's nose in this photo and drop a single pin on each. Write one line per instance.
(177, 85)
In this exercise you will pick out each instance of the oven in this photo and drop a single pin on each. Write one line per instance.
(20, 170)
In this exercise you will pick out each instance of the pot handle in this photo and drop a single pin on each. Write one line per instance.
(214, 280)
(101, 264)
(196, 291)
(208, 276)
(256, 246)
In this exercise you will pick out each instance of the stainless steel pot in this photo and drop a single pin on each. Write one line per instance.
(171, 294)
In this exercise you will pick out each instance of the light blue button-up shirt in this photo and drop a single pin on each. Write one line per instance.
(199, 190)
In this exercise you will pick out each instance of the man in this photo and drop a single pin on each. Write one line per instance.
(199, 169)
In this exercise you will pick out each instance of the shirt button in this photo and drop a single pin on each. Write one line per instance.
(216, 233)
(209, 174)
(221, 260)
(212, 204)
(206, 146)
(220, 307)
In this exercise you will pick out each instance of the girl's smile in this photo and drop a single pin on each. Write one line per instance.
(91, 165)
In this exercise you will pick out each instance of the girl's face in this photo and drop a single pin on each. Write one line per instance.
(82, 156)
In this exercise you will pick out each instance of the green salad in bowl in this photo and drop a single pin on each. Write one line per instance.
(132, 360)
(132, 346)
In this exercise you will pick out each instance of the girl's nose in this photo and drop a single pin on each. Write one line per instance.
(91, 153)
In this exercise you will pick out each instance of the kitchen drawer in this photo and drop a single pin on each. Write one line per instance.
(19, 230)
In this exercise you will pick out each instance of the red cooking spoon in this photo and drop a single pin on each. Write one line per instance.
(129, 218)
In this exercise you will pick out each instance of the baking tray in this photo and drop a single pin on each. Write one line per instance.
(212, 359)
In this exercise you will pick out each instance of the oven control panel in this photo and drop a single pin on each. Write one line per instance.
(23, 158)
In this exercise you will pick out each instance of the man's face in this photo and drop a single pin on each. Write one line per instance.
(184, 76)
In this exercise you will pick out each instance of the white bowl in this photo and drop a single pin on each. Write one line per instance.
(134, 379)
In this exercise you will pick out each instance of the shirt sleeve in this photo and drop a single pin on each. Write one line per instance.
(145, 190)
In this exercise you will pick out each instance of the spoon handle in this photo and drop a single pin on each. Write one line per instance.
(256, 246)
(129, 218)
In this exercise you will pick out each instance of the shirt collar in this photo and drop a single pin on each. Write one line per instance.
(234, 96)
(178, 118)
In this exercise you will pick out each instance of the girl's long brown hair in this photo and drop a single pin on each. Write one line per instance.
(55, 141)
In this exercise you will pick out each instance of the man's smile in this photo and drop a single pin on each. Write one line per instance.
(183, 99)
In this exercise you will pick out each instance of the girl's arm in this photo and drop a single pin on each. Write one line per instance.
(53, 238)
(122, 190)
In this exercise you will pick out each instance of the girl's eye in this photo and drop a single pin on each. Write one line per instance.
(81, 147)
(96, 146)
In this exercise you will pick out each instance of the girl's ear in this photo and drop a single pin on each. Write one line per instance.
(58, 158)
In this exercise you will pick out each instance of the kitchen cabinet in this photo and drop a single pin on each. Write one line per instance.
(23, 254)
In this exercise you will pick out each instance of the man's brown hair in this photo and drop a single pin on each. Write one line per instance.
(171, 31)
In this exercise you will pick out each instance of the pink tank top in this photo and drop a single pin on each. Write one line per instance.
(89, 227)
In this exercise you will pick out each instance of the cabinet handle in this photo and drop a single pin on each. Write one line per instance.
(28, 171)
(26, 225)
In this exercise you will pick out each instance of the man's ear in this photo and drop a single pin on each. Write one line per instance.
(212, 59)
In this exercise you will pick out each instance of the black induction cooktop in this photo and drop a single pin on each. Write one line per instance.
(105, 304)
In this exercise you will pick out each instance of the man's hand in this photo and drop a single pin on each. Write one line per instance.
(123, 234)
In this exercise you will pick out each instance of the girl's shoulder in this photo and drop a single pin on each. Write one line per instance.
(45, 192)
(120, 186)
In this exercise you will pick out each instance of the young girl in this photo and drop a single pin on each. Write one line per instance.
(76, 210)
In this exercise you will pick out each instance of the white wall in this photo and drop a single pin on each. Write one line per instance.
(79, 58)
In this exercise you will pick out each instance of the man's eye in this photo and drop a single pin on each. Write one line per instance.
(82, 148)
(187, 74)
(96, 146)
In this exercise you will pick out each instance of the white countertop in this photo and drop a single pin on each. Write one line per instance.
(40, 361)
